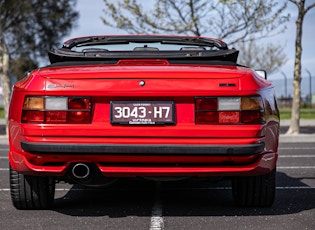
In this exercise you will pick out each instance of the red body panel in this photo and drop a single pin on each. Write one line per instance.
(177, 83)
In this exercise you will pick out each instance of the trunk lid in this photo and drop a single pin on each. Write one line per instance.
(115, 80)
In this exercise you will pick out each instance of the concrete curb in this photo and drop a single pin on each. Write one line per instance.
(303, 122)
(300, 138)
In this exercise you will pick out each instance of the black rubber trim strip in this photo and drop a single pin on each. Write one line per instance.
(131, 149)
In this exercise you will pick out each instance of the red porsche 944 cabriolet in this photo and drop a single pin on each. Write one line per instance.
(150, 106)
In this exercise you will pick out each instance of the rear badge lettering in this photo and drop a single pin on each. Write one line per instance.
(227, 85)
(54, 86)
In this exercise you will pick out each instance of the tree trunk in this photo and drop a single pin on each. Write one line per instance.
(5, 78)
(296, 104)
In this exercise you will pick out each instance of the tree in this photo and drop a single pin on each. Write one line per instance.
(296, 104)
(233, 20)
(269, 57)
(28, 29)
(20, 66)
(239, 22)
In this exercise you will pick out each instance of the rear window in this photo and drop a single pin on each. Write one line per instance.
(136, 46)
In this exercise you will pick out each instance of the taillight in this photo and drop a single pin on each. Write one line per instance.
(56, 110)
(229, 110)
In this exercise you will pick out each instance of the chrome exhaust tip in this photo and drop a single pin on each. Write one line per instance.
(80, 171)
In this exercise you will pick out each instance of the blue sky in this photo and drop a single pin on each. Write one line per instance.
(90, 23)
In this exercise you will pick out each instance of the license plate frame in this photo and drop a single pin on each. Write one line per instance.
(142, 112)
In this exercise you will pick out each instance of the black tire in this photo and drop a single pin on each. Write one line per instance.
(255, 191)
(31, 192)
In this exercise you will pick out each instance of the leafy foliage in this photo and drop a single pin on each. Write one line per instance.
(21, 65)
(28, 29)
(31, 27)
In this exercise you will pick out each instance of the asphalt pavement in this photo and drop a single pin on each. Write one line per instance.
(188, 204)
(307, 132)
(199, 204)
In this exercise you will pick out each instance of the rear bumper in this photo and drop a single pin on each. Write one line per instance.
(143, 149)
(263, 165)
(121, 160)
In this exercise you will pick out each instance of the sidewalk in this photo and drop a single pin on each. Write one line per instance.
(307, 132)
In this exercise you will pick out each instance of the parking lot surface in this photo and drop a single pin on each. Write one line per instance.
(142, 204)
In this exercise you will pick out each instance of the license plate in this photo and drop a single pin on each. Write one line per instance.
(142, 113)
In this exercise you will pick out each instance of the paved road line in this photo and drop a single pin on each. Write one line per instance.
(205, 188)
(278, 188)
(157, 222)
(160, 212)
(296, 156)
(294, 187)
(290, 148)
(295, 167)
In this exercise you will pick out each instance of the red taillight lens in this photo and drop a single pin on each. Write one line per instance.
(206, 103)
(33, 116)
(229, 117)
(79, 117)
(206, 117)
(252, 117)
(229, 110)
(78, 107)
(78, 103)
(56, 117)
(57, 110)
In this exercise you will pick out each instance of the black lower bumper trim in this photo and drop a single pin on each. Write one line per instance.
(143, 149)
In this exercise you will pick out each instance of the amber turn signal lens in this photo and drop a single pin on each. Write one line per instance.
(34, 103)
(251, 103)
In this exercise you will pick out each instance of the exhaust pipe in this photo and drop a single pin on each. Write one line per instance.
(80, 171)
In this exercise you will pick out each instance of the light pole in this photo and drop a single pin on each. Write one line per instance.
(285, 84)
(309, 74)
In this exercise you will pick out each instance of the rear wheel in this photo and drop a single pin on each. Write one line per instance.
(255, 191)
(31, 192)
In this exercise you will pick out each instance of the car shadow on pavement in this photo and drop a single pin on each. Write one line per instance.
(132, 198)
(184, 198)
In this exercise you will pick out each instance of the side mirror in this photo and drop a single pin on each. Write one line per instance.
(262, 73)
